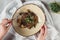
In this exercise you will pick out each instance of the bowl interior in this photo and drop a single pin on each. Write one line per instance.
(25, 31)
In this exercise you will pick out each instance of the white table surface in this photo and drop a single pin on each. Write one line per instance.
(56, 17)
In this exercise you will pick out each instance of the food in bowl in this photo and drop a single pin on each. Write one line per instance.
(27, 19)
(24, 11)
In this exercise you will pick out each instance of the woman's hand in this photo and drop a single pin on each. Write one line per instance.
(42, 34)
(4, 27)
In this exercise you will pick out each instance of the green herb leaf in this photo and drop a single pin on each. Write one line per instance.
(55, 7)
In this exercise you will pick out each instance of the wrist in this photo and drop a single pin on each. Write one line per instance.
(1, 37)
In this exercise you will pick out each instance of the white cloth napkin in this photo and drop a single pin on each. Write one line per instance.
(12, 35)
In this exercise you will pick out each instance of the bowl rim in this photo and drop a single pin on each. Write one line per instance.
(18, 9)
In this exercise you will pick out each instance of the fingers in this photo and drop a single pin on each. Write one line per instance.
(45, 30)
(41, 32)
(8, 27)
(6, 23)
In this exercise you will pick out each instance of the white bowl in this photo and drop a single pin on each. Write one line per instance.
(41, 19)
